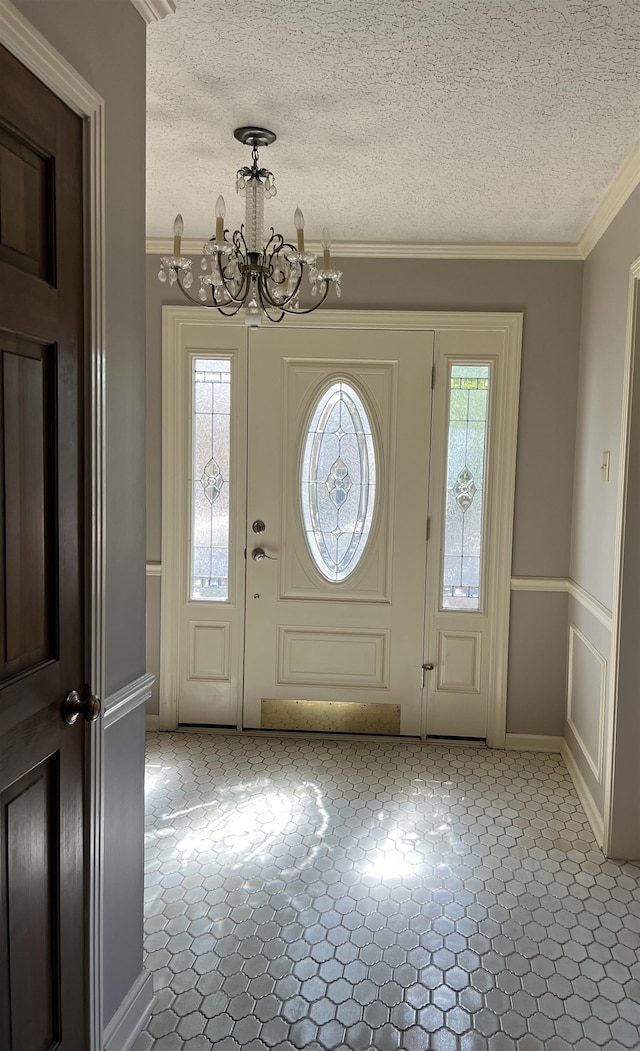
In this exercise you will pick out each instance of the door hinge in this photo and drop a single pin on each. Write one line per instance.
(428, 532)
(433, 376)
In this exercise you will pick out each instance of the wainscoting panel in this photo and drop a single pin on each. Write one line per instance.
(586, 698)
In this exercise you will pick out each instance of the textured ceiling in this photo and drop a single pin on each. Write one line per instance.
(446, 120)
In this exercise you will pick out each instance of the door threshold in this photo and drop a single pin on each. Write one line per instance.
(459, 742)
(309, 735)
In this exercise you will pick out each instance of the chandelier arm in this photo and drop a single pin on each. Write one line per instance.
(187, 295)
(265, 294)
(309, 310)
(239, 242)
(267, 305)
(282, 304)
(241, 295)
(231, 313)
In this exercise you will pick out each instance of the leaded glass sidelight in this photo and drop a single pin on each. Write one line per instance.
(466, 462)
(338, 481)
(210, 486)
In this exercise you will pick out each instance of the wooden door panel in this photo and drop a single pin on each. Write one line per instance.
(42, 644)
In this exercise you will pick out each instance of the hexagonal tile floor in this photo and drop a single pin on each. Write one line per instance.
(322, 894)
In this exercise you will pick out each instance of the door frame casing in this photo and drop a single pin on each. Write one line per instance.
(21, 38)
(175, 323)
(613, 768)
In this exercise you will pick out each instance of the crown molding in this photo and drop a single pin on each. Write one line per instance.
(402, 250)
(154, 10)
(618, 193)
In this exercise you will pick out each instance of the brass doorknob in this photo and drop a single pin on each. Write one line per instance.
(74, 705)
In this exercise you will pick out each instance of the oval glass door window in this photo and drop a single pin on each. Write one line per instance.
(338, 482)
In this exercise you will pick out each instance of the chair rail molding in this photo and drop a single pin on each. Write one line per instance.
(127, 699)
(569, 587)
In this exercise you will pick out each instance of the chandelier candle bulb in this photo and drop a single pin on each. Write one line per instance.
(221, 211)
(178, 229)
(326, 244)
(298, 219)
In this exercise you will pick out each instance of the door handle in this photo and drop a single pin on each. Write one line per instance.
(74, 705)
(425, 669)
(259, 554)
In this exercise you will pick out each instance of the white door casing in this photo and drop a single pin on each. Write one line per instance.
(495, 337)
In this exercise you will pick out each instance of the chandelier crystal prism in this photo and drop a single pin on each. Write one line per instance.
(263, 276)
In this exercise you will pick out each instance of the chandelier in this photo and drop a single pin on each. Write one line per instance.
(246, 271)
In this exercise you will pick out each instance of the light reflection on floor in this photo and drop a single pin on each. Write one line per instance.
(333, 894)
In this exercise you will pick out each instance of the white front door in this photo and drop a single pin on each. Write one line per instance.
(338, 464)
(300, 466)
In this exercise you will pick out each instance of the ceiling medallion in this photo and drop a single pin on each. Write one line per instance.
(244, 271)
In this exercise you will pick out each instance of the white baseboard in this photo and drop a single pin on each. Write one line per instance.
(124, 1028)
(584, 795)
(152, 723)
(533, 743)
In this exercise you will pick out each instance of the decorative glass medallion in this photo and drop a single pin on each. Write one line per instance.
(212, 481)
(465, 488)
(338, 482)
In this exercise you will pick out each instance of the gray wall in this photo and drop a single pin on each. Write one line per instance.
(549, 295)
(598, 428)
(604, 327)
(105, 42)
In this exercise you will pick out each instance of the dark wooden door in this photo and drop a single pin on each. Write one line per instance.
(42, 925)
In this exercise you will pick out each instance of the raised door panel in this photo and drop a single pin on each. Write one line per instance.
(26, 206)
(27, 468)
(29, 838)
